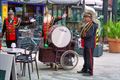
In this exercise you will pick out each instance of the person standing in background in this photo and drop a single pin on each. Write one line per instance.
(9, 27)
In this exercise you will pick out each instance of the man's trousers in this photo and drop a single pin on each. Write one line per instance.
(88, 60)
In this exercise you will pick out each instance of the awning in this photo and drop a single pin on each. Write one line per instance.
(99, 2)
(55, 1)
(93, 2)
(64, 1)
(37, 1)
(90, 2)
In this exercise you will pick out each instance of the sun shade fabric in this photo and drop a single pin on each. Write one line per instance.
(64, 1)
(38, 1)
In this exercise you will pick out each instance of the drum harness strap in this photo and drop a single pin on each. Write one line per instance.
(85, 29)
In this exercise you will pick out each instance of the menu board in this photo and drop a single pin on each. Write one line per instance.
(7, 64)
(2, 74)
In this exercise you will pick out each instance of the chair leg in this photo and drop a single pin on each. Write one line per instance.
(37, 69)
(29, 71)
(24, 69)
(20, 66)
(32, 66)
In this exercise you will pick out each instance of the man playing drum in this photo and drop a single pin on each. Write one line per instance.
(48, 22)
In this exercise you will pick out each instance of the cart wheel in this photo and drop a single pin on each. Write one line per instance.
(56, 67)
(69, 60)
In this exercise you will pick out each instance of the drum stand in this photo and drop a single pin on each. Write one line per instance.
(58, 53)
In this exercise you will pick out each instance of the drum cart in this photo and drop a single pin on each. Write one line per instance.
(56, 58)
(60, 52)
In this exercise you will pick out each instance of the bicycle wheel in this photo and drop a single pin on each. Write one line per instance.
(69, 60)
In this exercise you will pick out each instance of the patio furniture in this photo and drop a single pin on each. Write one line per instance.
(28, 58)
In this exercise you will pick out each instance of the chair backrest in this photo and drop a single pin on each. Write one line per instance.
(30, 45)
(33, 49)
(30, 48)
(25, 43)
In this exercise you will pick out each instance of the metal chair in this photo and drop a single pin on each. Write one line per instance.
(28, 58)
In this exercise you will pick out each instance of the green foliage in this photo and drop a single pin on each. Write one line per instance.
(112, 30)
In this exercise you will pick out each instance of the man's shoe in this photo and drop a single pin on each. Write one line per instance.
(81, 71)
(87, 74)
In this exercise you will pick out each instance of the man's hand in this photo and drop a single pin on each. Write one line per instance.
(19, 19)
(83, 35)
(32, 20)
(64, 15)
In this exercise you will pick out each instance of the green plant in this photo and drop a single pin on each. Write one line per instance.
(112, 30)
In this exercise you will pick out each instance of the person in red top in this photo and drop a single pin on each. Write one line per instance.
(48, 22)
(9, 27)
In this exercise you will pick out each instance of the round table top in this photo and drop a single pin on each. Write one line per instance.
(24, 30)
(13, 50)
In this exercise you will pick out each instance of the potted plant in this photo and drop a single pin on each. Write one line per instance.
(112, 30)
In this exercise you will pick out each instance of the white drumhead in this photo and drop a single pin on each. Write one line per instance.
(61, 36)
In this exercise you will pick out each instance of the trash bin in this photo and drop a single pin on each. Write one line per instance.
(98, 51)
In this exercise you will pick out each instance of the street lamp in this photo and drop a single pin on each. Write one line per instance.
(114, 9)
(105, 11)
(83, 5)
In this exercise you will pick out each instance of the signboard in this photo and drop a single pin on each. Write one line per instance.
(7, 64)
(4, 11)
(2, 74)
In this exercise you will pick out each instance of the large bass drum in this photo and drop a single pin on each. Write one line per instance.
(60, 36)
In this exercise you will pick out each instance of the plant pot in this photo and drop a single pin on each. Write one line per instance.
(114, 45)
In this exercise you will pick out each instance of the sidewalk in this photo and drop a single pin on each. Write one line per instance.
(106, 67)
